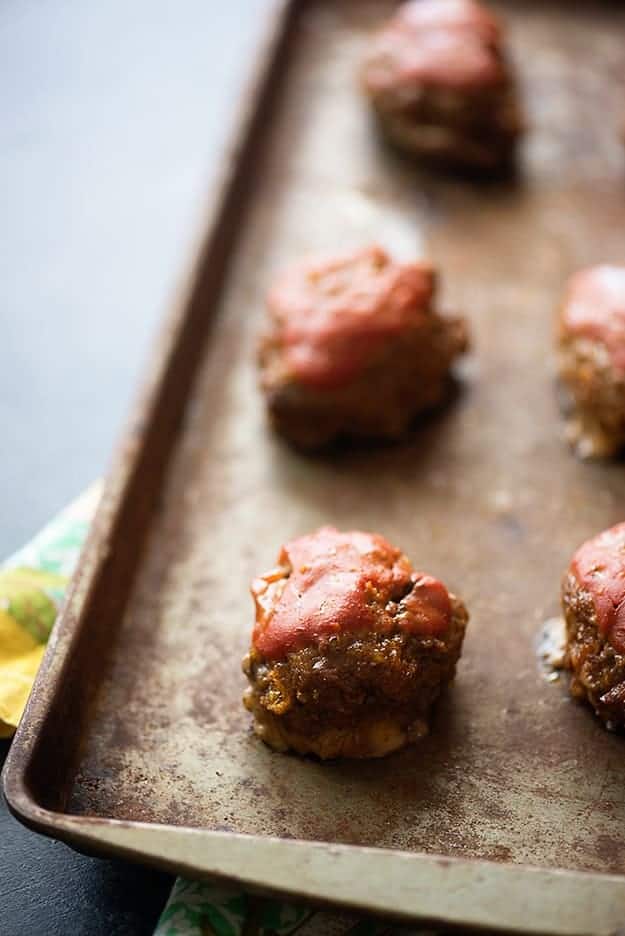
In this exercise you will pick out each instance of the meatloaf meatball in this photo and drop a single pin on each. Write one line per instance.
(593, 600)
(591, 339)
(440, 84)
(350, 648)
(353, 347)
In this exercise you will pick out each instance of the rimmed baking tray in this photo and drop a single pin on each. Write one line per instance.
(510, 815)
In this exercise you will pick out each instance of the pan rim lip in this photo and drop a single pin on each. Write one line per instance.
(135, 428)
(85, 828)
(142, 413)
(88, 834)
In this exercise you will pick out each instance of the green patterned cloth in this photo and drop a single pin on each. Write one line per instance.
(195, 909)
(32, 585)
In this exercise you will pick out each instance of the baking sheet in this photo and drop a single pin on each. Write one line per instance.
(485, 496)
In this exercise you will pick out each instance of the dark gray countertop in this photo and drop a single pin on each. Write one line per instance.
(113, 116)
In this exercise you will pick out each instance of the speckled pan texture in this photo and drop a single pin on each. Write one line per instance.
(486, 495)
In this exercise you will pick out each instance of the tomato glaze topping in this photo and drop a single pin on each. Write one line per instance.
(334, 315)
(452, 44)
(455, 15)
(594, 307)
(330, 583)
(599, 567)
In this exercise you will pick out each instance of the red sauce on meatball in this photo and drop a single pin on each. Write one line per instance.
(332, 583)
(450, 14)
(594, 308)
(599, 567)
(447, 43)
(333, 315)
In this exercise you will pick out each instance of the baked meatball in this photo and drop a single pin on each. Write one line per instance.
(350, 648)
(591, 339)
(442, 88)
(593, 600)
(353, 347)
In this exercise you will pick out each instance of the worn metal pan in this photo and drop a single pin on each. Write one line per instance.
(511, 814)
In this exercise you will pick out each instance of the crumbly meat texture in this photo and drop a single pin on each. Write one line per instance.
(591, 360)
(598, 668)
(350, 648)
(594, 397)
(442, 88)
(473, 132)
(404, 372)
(355, 696)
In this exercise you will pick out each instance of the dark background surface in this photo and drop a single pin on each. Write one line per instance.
(113, 118)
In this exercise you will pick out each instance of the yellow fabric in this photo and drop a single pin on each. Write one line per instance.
(28, 608)
(32, 588)
(20, 656)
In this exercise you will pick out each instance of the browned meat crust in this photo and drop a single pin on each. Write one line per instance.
(591, 351)
(353, 695)
(596, 397)
(476, 131)
(409, 377)
(598, 669)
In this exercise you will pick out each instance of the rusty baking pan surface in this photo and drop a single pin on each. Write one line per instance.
(135, 740)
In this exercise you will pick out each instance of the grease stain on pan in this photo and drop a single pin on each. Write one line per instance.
(551, 647)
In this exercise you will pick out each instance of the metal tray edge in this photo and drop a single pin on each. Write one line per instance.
(117, 492)
(404, 886)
